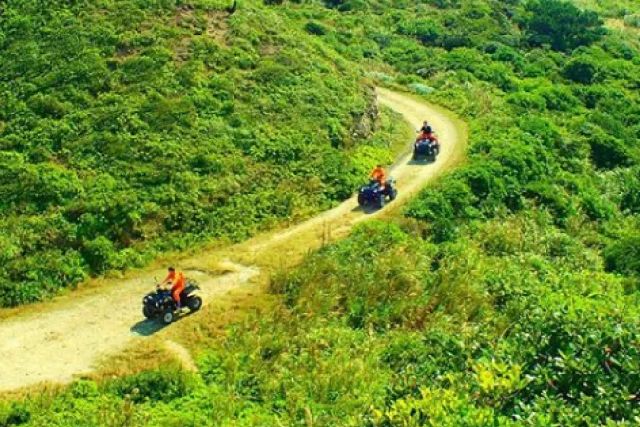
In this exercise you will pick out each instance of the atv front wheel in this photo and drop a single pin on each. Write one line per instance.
(194, 303)
(146, 311)
(168, 316)
(393, 194)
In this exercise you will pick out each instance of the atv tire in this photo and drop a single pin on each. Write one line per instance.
(168, 316)
(393, 194)
(381, 200)
(194, 303)
(146, 311)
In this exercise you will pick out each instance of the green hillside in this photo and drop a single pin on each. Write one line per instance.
(128, 128)
(507, 294)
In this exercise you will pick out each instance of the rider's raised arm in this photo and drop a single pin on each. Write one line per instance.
(170, 276)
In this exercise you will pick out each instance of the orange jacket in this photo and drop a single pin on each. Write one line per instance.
(176, 278)
(379, 175)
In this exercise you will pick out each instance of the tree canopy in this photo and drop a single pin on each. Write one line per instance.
(560, 24)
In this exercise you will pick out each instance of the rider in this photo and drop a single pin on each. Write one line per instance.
(177, 281)
(426, 128)
(379, 175)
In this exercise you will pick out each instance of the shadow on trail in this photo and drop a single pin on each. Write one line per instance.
(367, 210)
(420, 162)
(148, 327)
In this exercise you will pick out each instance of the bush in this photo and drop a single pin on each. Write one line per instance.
(560, 24)
(48, 106)
(630, 201)
(315, 28)
(100, 254)
(579, 355)
(158, 386)
(581, 70)
(558, 98)
(597, 208)
(427, 31)
(623, 256)
(419, 361)
(17, 415)
(607, 151)
(552, 197)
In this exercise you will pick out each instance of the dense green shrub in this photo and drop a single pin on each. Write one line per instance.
(623, 256)
(560, 24)
(581, 70)
(18, 414)
(315, 28)
(163, 385)
(631, 197)
(607, 151)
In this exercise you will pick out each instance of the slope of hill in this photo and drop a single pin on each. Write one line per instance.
(84, 330)
(128, 128)
(506, 294)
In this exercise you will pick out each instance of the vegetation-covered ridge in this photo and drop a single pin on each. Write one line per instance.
(507, 294)
(128, 128)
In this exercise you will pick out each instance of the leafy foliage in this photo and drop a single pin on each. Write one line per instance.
(505, 295)
(561, 25)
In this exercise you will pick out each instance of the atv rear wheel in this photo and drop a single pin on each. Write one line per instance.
(194, 303)
(168, 316)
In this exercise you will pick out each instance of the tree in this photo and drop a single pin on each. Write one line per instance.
(581, 70)
(561, 25)
(623, 256)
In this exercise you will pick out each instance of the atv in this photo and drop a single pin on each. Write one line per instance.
(373, 195)
(427, 149)
(160, 304)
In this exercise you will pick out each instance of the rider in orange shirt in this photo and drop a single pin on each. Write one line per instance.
(178, 283)
(379, 175)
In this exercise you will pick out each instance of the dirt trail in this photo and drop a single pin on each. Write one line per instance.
(63, 341)
(410, 176)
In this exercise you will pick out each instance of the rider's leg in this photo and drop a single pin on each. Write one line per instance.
(176, 296)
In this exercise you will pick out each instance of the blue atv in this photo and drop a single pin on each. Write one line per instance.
(425, 149)
(375, 196)
(160, 304)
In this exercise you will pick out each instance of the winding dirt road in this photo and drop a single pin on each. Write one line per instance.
(60, 341)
